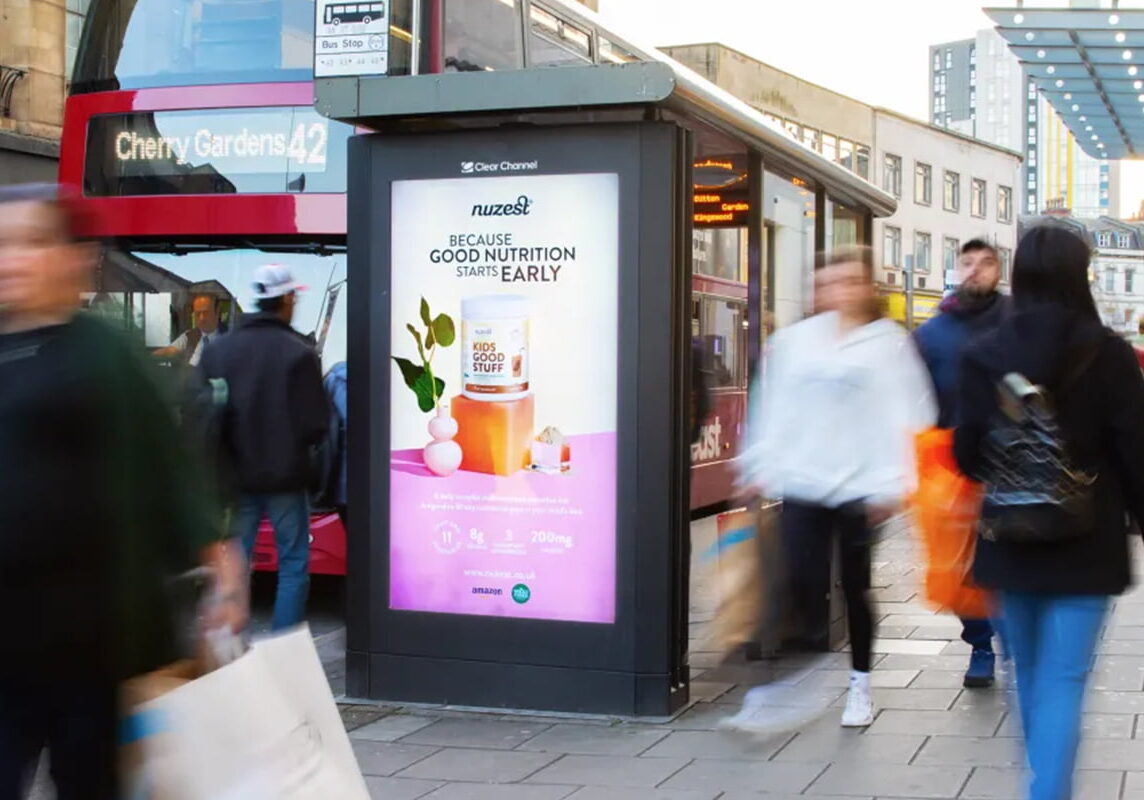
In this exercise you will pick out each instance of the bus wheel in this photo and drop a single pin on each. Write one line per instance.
(337, 20)
(366, 20)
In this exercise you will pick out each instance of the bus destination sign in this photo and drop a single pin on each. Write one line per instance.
(351, 38)
(245, 150)
(718, 208)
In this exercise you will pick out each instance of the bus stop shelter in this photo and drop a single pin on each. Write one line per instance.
(520, 246)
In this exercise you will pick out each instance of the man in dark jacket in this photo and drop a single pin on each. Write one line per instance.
(974, 308)
(99, 508)
(277, 411)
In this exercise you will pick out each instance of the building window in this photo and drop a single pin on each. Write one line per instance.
(846, 154)
(936, 61)
(951, 249)
(892, 174)
(923, 244)
(1004, 204)
(952, 193)
(810, 138)
(76, 11)
(862, 157)
(1123, 241)
(829, 147)
(1110, 280)
(891, 278)
(921, 282)
(1006, 256)
(949, 59)
(977, 191)
(923, 183)
(892, 247)
(1104, 239)
(1129, 281)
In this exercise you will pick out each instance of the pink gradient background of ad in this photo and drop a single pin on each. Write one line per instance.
(574, 584)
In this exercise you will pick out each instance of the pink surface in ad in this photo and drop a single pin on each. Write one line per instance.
(529, 545)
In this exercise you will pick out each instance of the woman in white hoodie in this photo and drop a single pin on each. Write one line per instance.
(832, 434)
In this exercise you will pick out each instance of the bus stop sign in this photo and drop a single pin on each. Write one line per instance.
(351, 38)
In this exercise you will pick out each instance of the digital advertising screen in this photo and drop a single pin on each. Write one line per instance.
(504, 304)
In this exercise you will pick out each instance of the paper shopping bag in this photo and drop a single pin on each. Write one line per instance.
(264, 727)
(739, 560)
(946, 507)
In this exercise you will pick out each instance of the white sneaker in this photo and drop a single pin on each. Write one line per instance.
(859, 711)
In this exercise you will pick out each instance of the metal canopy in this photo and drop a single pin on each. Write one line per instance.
(1089, 65)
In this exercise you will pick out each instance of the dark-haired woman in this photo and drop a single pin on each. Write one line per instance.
(1055, 583)
(96, 510)
(843, 394)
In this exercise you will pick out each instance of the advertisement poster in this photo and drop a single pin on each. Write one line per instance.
(504, 394)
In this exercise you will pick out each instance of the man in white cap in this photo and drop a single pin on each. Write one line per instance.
(277, 413)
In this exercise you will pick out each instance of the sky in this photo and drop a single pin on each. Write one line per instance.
(876, 51)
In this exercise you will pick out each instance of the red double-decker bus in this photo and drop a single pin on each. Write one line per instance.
(190, 129)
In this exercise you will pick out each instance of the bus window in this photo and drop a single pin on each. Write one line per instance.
(720, 253)
(152, 292)
(145, 43)
(483, 35)
(612, 53)
(723, 336)
(556, 43)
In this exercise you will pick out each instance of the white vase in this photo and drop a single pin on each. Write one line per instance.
(442, 455)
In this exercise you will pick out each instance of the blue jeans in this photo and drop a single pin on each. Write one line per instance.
(1053, 639)
(978, 633)
(289, 514)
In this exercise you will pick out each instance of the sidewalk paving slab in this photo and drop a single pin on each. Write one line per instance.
(866, 778)
(792, 778)
(590, 740)
(615, 771)
(478, 766)
(398, 788)
(486, 734)
(1010, 784)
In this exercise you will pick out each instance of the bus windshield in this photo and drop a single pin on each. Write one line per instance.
(153, 292)
(146, 43)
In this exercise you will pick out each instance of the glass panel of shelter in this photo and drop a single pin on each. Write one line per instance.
(721, 240)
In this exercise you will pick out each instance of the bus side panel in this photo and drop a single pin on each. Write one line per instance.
(327, 546)
(713, 457)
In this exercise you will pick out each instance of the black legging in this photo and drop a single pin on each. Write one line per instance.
(808, 535)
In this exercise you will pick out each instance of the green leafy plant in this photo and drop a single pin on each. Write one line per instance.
(439, 331)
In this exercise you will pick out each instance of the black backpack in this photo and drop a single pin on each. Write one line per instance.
(1035, 492)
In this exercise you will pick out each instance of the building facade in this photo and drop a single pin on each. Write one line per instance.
(839, 127)
(1116, 275)
(950, 189)
(978, 88)
(37, 44)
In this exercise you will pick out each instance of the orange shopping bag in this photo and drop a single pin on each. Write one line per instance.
(946, 506)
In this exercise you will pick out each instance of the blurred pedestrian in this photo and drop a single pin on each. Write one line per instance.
(843, 394)
(1049, 420)
(974, 308)
(98, 510)
(276, 418)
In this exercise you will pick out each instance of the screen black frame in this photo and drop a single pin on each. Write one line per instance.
(634, 665)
